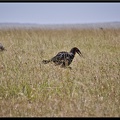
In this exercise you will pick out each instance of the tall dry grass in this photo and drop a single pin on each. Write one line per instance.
(29, 88)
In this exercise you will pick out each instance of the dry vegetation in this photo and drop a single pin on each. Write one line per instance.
(29, 88)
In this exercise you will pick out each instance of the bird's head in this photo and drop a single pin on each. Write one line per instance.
(76, 50)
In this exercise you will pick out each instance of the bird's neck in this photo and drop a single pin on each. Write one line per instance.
(72, 51)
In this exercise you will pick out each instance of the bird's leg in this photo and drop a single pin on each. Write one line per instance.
(64, 63)
(70, 68)
(62, 66)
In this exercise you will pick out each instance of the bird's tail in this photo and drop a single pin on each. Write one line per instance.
(45, 61)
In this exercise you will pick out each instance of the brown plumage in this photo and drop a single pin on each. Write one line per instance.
(64, 58)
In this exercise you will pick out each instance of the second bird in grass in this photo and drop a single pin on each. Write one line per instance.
(64, 58)
(1, 47)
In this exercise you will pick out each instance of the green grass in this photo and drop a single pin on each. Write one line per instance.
(29, 88)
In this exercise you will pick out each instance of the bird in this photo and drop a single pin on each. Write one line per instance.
(64, 59)
(1, 47)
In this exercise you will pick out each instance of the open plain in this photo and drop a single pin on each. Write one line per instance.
(29, 88)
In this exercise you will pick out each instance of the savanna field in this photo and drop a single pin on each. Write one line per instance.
(29, 88)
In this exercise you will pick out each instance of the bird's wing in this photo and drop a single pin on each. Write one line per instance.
(60, 56)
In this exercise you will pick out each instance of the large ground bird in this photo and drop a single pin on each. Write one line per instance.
(63, 58)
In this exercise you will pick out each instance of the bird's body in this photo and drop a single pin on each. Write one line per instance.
(1, 47)
(64, 58)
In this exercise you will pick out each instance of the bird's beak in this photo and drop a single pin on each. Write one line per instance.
(80, 54)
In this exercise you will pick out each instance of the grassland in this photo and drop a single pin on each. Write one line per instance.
(29, 88)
